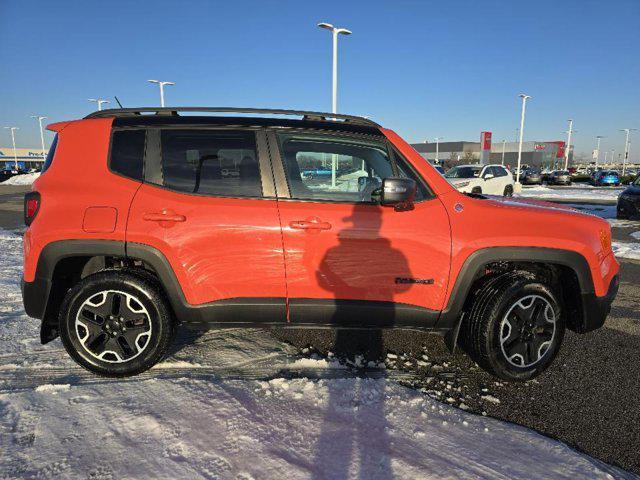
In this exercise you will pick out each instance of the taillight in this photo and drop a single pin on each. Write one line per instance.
(31, 207)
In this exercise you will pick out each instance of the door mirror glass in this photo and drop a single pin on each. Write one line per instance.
(488, 176)
(397, 191)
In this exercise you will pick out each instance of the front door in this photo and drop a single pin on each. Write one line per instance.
(208, 205)
(349, 261)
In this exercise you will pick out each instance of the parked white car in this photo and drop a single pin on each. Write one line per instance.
(488, 179)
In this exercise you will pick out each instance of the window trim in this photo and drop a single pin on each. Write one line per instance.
(153, 158)
(281, 179)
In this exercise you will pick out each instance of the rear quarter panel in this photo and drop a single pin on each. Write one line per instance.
(77, 180)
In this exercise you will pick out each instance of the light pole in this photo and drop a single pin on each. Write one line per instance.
(566, 152)
(599, 137)
(437, 139)
(504, 142)
(41, 134)
(626, 148)
(335, 31)
(518, 185)
(161, 85)
(99, 101)
(13, 139)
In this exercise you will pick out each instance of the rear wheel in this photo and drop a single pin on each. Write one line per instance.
(508, 191)
(115, 324)
(476, 190)
(514, 326)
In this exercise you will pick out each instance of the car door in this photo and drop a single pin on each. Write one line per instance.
(208, 206)
(349, 261)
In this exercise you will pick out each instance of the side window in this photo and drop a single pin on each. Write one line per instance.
(500, 172)
(326, 167)
(127, 153)
(211, 162)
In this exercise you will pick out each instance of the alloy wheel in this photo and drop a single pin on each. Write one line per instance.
(527, 331)
(113, 326)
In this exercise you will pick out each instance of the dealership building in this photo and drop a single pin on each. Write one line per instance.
(26, 158)
(537, 154)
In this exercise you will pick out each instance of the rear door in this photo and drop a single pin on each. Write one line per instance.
(349, 261)
(208, 205)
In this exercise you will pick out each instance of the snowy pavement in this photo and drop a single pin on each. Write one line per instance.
(22, 179)
(239, 404)
(576, 192)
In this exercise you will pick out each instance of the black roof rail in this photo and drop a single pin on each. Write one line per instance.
(173, 111)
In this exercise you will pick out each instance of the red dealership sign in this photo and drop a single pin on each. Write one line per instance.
(485, 140)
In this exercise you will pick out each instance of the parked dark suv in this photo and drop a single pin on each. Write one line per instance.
(208, 220)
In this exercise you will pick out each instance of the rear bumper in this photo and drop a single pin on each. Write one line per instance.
(34, 296)
(596, 309)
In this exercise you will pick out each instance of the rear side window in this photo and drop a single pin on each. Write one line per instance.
(50, 154)
(211, 162)
(127, 153)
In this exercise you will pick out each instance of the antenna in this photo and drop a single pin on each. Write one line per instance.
(118, 102)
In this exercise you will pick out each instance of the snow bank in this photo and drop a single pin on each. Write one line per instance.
(23, 179)
(248, 409)
(574, 193)
(626, 250)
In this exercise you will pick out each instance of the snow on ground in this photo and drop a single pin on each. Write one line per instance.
(239, 404)
(575, 192)
(22, 179)
(629, 250)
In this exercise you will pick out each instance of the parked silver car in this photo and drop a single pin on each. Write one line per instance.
(559, 177)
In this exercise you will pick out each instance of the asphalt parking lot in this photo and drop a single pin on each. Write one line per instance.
(588, 399)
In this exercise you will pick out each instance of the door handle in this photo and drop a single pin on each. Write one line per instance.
(310, 225)
(163, 217)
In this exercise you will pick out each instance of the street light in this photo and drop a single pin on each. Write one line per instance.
(437, 139)
(44, 155)
(99, 101)
(566, 151)
(161, 85)
(504, 142)
(335, 31)
(599, 137)
(13, 139)
(626, 148)
(518, 185)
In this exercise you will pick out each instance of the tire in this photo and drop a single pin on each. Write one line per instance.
(508, 191)
(116, 323)
(494, 312)
(476, 190)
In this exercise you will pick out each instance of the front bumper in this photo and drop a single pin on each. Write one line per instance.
(596, 309)
(628, 207)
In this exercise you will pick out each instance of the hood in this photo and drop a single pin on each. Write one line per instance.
(457, 181)
(632, 190)
(530, 203)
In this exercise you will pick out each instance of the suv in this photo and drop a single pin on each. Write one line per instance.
(152, 234)
(488, 179)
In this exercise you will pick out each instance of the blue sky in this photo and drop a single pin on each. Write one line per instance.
(425, 69)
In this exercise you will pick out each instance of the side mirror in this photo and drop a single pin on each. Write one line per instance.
(397, 191)
(488, 176)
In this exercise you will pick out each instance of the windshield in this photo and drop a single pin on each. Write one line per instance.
(463, 172)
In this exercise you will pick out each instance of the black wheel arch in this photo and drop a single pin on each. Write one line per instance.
(575, 293)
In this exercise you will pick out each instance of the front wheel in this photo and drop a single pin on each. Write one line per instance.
(116, 324)
(508, 191)
(514, 326)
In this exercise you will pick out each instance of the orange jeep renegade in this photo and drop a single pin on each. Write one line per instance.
(144, 219)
